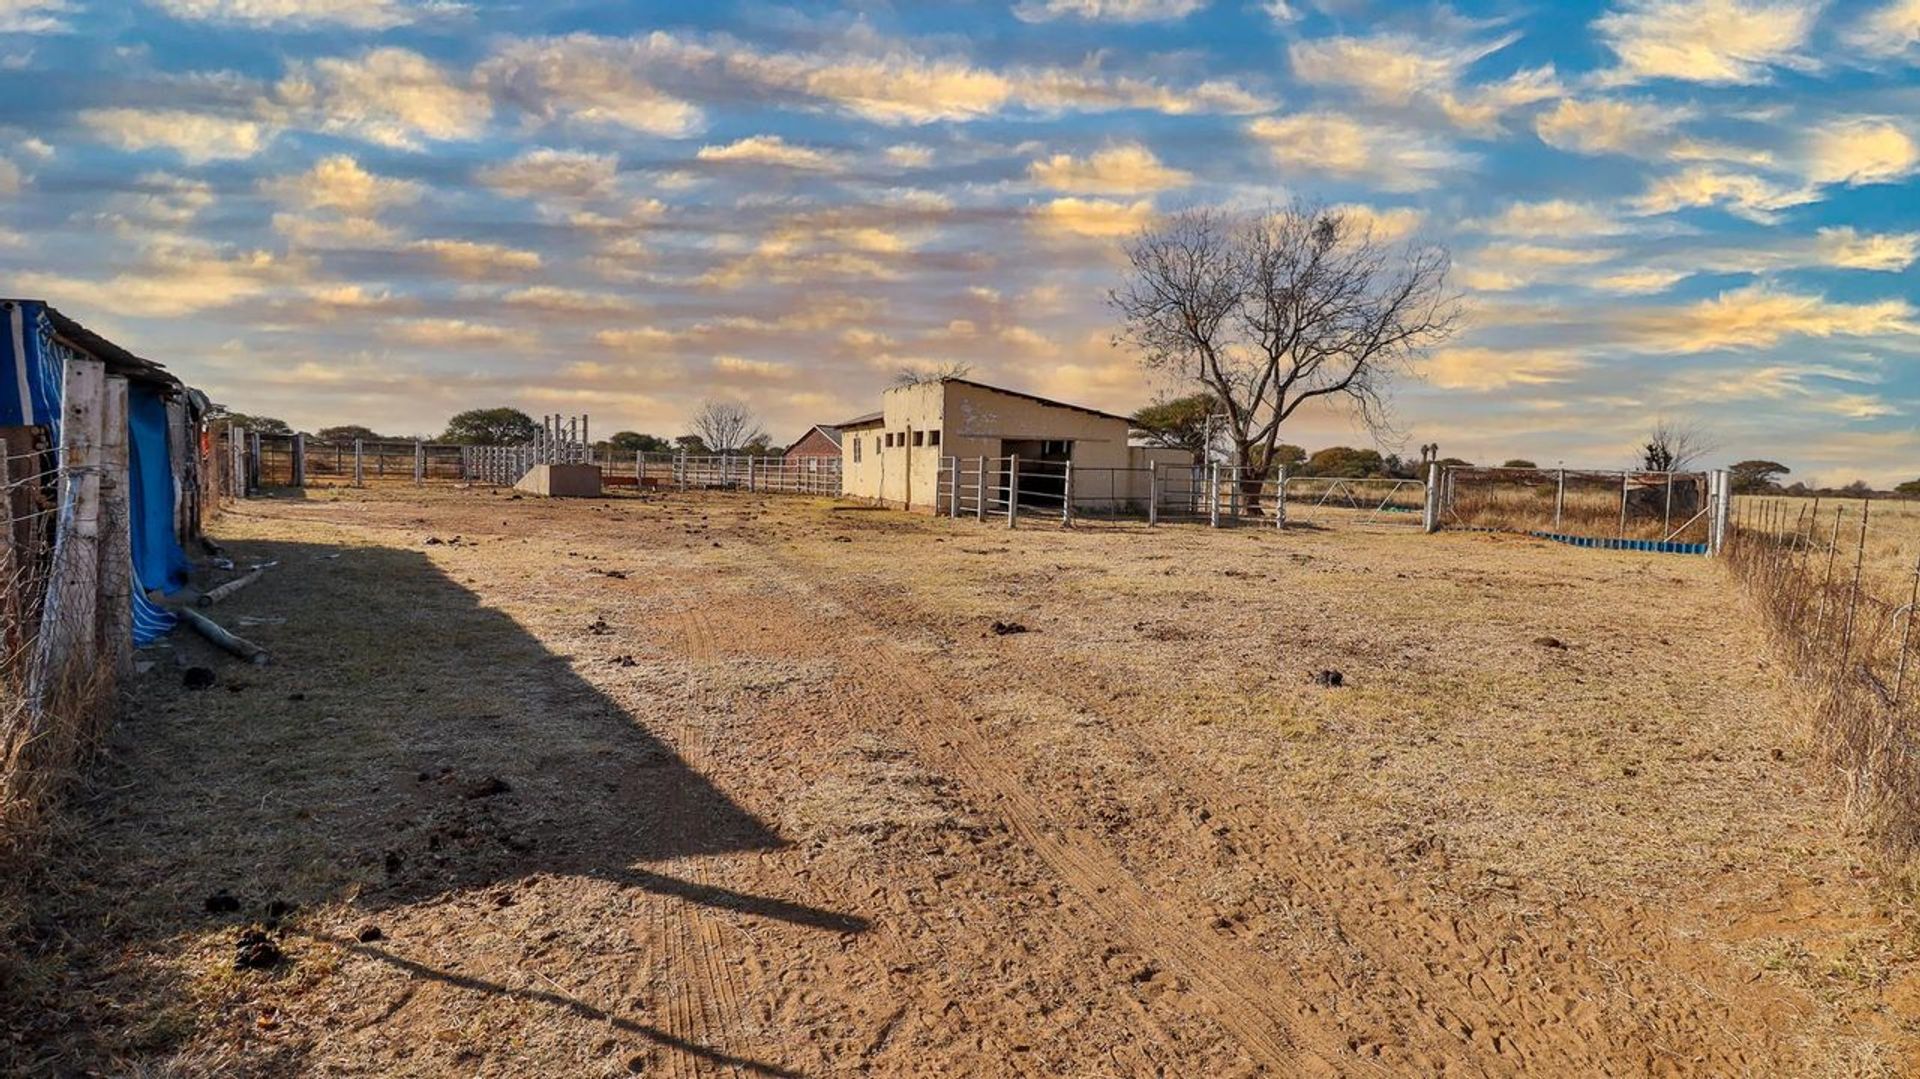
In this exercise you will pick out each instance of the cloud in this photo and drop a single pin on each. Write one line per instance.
(389, 96)
(1504, 267)
(1484, 370)
(1124, 169)
(11, 178)
(451, 332)
(1638, 282)
(1707, 41)
(1125, 11)
(337, 182)
(171, 278)
(756, 370)
(909, 156)
(1744, 194)
(595, 79)
(1559, 219)
(1759, 316)
(770, 150)
(1863, 150)
(553, 174)
(475, 260)
(197, 137)
(34, 16)
(1607, 126)
(1847, 248)
(566, 300)
(1399, 70)
(358, 14)
(1095, 218)
(1395, 159)
(1385, 225)
(1887, 31)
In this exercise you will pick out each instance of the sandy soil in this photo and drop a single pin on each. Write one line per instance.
(734, 785)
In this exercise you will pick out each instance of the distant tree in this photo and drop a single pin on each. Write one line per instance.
(635, 442)
(1857, 489)
(907, 376)
(1178, 422)
(221, 415)
(346, 432)
(491, 427)
(1798, 488)
(1346, 462)
(761, 445)
(1910, 488)
(1286, 453)
(1519, 462)
(1454, 462)
(1673, 446)
(725, 426)
(1271, 310)
(1753, 477)
(691, 444)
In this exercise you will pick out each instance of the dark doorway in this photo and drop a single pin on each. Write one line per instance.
(1043, 469)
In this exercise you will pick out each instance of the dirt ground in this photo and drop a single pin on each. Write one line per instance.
(717, 784)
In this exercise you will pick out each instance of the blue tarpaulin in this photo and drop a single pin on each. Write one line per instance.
(32, 367)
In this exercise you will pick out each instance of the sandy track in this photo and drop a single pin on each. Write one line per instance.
(781, 805)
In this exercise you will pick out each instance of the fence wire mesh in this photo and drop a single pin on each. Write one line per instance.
(1670, 507)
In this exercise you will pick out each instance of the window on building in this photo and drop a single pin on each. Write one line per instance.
(919, 438)
(933, 438)
(856, 451)
(1055, 448)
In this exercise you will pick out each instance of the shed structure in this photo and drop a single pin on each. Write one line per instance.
(894, 456)
(820, 443)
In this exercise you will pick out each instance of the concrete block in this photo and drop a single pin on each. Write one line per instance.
(561, 481)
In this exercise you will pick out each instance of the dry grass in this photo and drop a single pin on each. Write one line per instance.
(1524, 501)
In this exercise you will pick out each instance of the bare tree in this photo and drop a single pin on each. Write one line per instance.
(1674, 446)
(1276, 309)
(725, 426)
(907, 376)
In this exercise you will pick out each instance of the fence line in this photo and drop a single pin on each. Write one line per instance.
(1841, 590)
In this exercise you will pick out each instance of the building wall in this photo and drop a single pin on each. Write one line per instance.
(860, 478)
(814, 444)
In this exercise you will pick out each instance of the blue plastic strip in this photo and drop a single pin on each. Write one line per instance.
(1606, 543)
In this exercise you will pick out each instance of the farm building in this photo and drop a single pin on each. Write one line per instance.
(820, 443)
(893, 456)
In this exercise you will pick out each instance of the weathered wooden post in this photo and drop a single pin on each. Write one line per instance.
(359, 464)
(585, 438)
(299, 460)
(751, 458)
(236, 461)
(254, 463)
(1625, 479)
(419, 463)
(114, 613)
(1013, 489)
(66, 643)
(1280, 500)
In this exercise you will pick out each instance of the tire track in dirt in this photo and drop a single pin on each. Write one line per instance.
(1463, 982)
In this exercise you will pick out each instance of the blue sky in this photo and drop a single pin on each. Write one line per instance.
(383, 211)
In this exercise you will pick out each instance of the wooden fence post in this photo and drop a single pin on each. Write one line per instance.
(1013, 489)
(1280, 499)
(359, 464)
(419, 463)
(113, 616)
(299, 460)
(66, 643)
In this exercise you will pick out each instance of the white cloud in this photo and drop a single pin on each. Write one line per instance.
(1395, 159)
(1399, 70)
(1759, 316)
(173, 277)
(570, 301)
(770, 150)
(1708, 41)
(451, 332)
(1744, 194)
(553, 174)
(1607, 126)
(1384, 225)
(11, 178)
(337, 182)
(1638, 282)
(1863, 150)
(33, 16)
(909, 156)
(358, 14)
(1559, 219)
(389, 96)
(1887, 31)
(1847, 248)
(1124, 169)
(1484, 370)
(196, 137)
(1504, 267)
(1091, 218)
(476, 260)
(1106, 10)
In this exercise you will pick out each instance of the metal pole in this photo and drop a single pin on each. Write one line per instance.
(359, 464)
(1624, 478)
(1280, 500)
(1559, 498)
(1432, 523)
(1853, 594)
(419, 463)
(1666, 519)
(1906, 635)
(953, 492)
(1066, 496)
(1013, 489)
(1153, 494)
(980, 496)
(1213, 494)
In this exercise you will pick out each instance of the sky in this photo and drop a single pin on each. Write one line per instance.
(385, 211)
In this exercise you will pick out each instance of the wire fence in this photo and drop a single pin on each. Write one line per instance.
(1662, 508)
(1839, 583)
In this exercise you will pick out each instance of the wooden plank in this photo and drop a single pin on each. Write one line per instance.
(113, 616)
(65, 649)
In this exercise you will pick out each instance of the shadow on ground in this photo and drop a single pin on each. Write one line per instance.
(408, 743)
